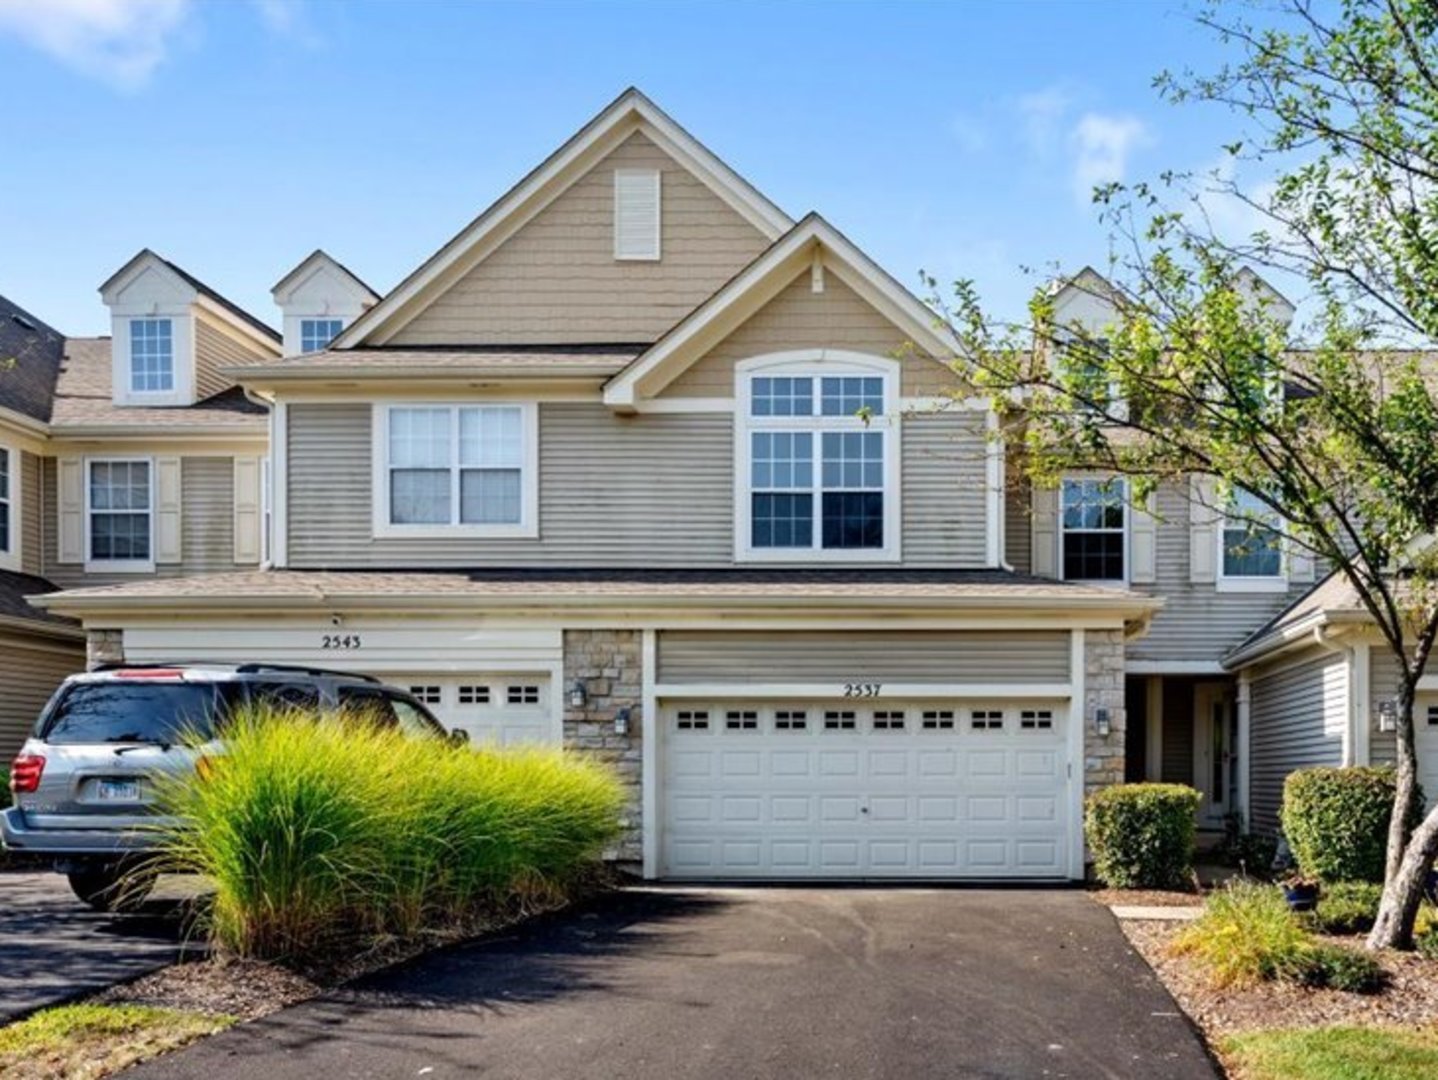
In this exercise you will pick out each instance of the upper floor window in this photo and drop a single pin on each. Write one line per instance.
(119, 512)
(152, 356)
(315, 334)
(457, 466)
(818, 466)
(1252, 540)
(1093, 517)
(5, 541)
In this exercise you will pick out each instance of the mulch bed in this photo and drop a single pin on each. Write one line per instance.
(1146, 898)
(1410, 1000)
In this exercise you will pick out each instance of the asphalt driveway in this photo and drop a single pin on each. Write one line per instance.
(53, 948)
(747, 983)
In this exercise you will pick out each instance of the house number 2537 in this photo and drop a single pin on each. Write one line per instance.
(862, 689)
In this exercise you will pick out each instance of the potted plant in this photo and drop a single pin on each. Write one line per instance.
(1301, 891)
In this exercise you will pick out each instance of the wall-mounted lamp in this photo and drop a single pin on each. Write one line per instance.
(1101, 722)
(1388, 715)
(621, 721)
(577, 695)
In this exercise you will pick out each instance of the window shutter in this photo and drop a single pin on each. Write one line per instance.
(1203, 526)
(1143, 543)
(70, 529)
(636, 213)
(1045, 531)
(167, 509)
(247, 510)
(1300, 563)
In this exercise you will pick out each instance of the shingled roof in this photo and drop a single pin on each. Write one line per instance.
(30, 356)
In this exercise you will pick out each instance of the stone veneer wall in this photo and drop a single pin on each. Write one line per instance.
(609, 663)
(104, 647)
(1103, 686)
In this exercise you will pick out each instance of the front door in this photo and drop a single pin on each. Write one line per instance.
(1215, 772)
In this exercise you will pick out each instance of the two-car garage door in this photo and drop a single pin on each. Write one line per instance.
(902, 789)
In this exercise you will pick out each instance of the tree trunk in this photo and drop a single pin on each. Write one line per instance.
(1405, 795)
(1393, 928)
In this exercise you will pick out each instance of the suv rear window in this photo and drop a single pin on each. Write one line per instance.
(119, 712)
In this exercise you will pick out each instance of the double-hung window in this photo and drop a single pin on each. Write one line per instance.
(7, 541)
(152, 356)
(1252, 539)
(456, 467)
(119, 507)
(1093, 518)
(817, 467)
(315, 334)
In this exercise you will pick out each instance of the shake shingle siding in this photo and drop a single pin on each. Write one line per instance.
(1298, 712)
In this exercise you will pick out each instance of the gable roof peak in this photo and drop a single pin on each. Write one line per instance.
(311, 262)
(146, 255)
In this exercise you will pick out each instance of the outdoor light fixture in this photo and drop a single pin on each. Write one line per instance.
(1387, 715)
(577, 695)
(1101, 721)
(621, 721)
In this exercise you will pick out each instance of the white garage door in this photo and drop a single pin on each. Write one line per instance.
(1425, 744)
(829, 789)
(493, 708)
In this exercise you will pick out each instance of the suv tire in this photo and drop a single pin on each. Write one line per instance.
(117, 887)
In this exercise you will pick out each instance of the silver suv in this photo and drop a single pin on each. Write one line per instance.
(84, 783)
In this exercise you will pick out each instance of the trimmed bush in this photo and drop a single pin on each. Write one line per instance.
(1336, 821)
(1336, 968)
(1347, 907)
(1142, 835)
(317, 832)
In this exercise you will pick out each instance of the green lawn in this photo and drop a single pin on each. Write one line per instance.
(1339, 1053)
(82, 1042)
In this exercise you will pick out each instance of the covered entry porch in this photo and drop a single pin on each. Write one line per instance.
(1184, 729)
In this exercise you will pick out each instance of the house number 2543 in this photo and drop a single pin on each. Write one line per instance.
(340, 641)
(862, 689)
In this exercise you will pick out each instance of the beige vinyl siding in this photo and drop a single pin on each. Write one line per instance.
(839, 657)
(614, 491)
(32, 517)
(944, 498)
(206, 526)
(216, 349)
(799, 318)
(1197, 622)
(1018, 523)
(30, 670)
(556, 280)
(1298, 709)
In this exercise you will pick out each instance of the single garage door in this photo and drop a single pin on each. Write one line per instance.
(909, 789)
(1425, 743)
(494, 708)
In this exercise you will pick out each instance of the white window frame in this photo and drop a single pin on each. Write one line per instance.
(119, 566)
(816, 364)
(657, 178)
(10, 554)
(528, 525)
(305, 319)
(1062, 530)
(164, 392)
(1241, 583)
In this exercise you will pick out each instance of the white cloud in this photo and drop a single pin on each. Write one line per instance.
(1040, 113)
(1231, 218)
(1102, 145)
(286, 19)
(118, 41)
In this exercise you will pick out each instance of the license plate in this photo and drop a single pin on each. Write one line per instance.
(119, 791)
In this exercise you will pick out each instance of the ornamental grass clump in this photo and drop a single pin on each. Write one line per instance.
(319, 832)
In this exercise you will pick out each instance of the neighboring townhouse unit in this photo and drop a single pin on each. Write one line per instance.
(124, 458)
(639, 464)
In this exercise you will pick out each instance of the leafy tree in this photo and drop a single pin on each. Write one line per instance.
(1195, 376)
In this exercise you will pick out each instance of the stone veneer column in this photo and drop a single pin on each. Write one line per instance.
(609, 664)
(104, 647)
(1103, 687)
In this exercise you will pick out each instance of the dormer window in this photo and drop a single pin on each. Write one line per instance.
(315, 334)
(818, 461)
(152, 356)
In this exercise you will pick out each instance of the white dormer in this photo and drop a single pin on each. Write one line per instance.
(170, 332)
(1263, 298)
(319, 298)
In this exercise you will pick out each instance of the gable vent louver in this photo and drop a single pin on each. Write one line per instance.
(636, 214)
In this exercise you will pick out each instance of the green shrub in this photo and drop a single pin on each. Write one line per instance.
(316, 832)
(1246, 935)
(1142, 835)
(1347, 907)
(1337, 968)
(4, 787)
(1336, 821)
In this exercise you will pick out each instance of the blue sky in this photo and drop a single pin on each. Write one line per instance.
(235, 136)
